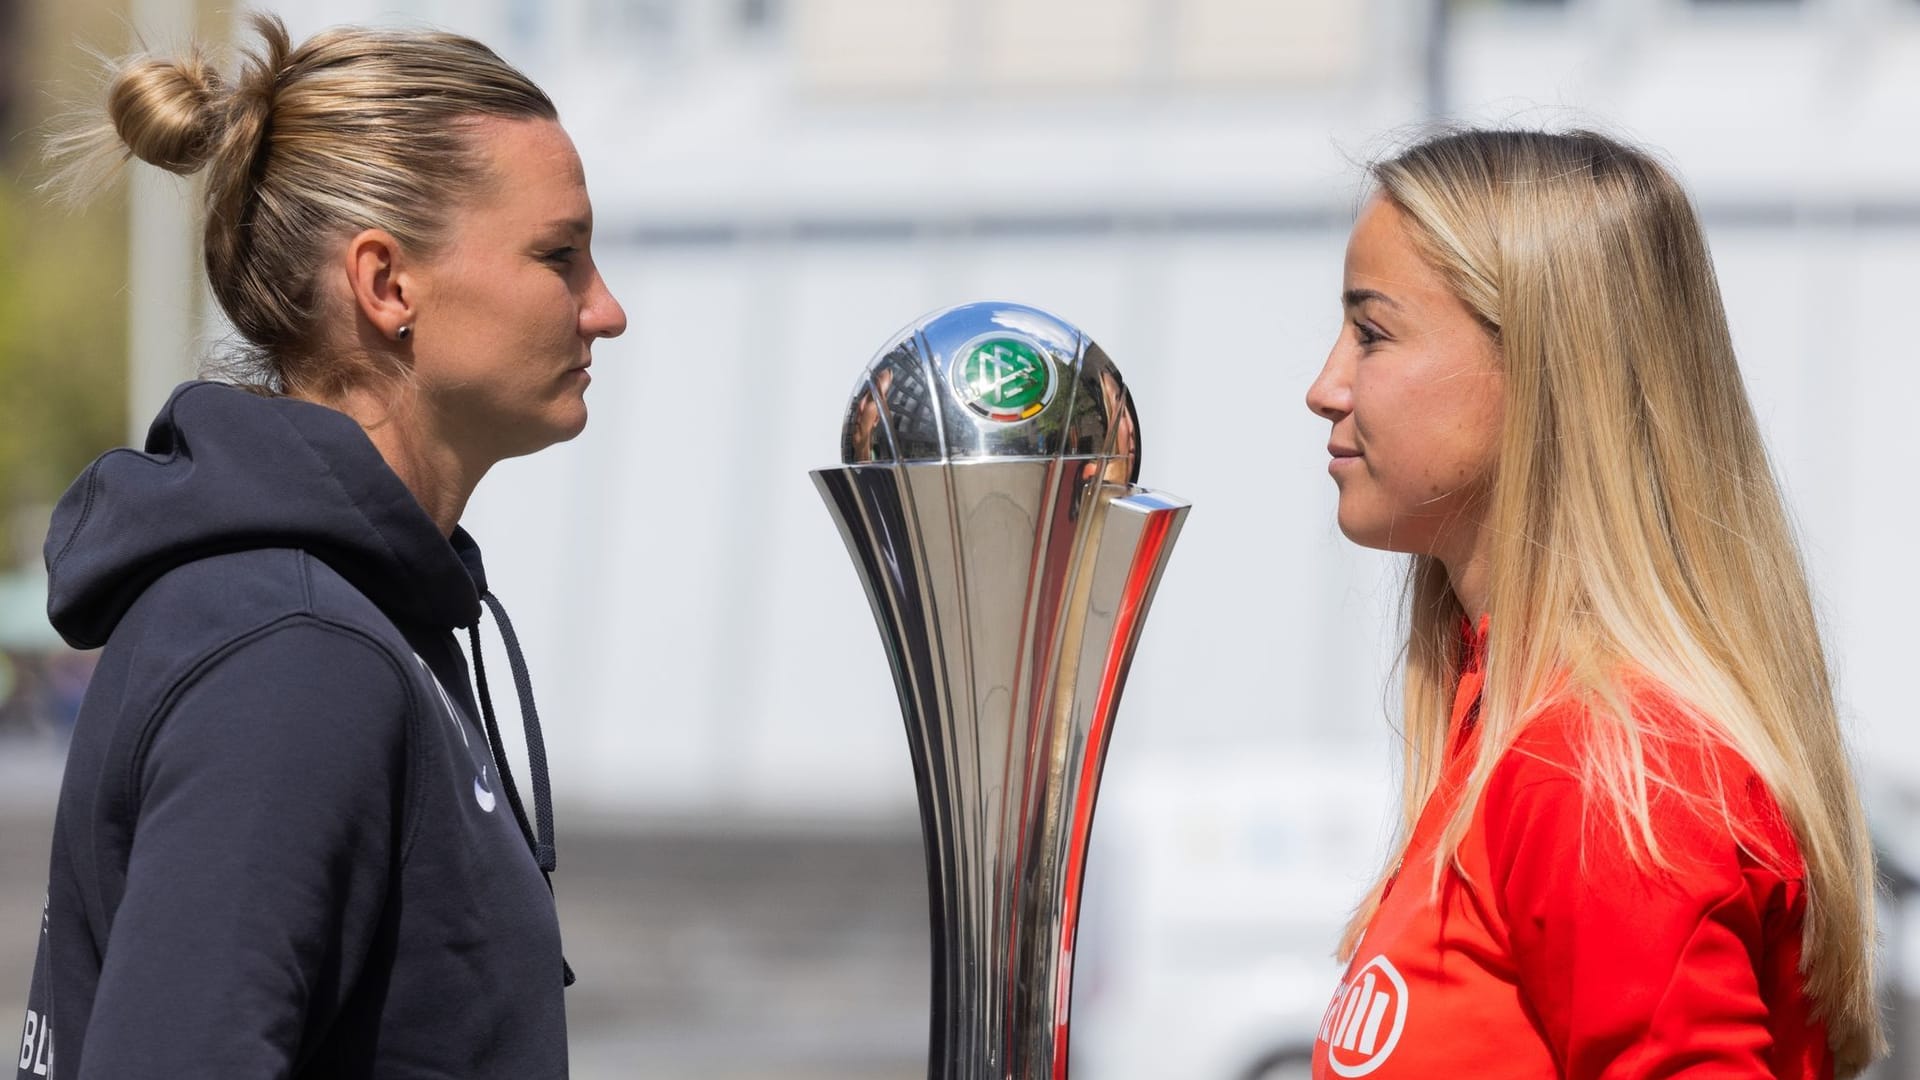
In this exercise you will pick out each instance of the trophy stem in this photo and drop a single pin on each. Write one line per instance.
(1010, 595)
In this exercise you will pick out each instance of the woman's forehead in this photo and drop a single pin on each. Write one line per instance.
(534, 168)
(1382, 256)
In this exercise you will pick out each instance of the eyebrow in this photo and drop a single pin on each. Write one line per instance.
(1356, 297)
(572, 225)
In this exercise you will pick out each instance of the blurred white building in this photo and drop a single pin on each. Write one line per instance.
(779, 184)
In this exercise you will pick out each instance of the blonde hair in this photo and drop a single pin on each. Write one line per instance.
(356, 128)
(1636, 531)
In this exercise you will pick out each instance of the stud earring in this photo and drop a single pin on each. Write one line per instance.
(404, 332)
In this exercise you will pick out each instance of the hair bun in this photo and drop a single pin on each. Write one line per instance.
(168, 112)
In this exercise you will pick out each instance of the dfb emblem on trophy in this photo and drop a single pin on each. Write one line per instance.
(1003, 379)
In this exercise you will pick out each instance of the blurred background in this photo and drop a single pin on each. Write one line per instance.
(781, 184)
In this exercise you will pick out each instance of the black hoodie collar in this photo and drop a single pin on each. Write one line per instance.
(227, 470)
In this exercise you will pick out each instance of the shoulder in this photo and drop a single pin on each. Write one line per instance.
(1590, 772)
(296, 669)
(227, 595)
(297, 717)
(253, 640)
(205, 613)
(1646, 889)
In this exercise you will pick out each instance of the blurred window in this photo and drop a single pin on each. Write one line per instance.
(1271, 42)
(1070, 46)
(651, 24)
(860, 46)
(524, 23)
(1088, 44)
(755, 16)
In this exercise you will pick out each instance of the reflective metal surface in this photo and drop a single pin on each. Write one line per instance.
(950, 388)
(989, 508)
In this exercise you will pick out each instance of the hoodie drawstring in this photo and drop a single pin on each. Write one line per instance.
(539, 832)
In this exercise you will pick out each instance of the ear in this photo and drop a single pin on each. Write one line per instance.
(377, 276)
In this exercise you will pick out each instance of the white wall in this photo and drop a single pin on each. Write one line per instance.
(697, 635)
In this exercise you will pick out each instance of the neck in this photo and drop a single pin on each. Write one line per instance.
(1468, 571)
(407, 433)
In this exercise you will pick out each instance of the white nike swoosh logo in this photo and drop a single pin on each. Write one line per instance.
(482, 794)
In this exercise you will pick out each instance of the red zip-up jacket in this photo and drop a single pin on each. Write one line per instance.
(1551, 953)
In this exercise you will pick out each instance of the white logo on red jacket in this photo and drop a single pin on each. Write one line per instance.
(1363, 1024)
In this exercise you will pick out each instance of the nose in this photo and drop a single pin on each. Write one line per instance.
(602, 316)
(1331, 395)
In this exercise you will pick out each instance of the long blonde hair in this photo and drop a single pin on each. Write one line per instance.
(354, 128)
(1636, 530)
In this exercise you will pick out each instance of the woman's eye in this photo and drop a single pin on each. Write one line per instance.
(1365, 334)
(560, 256)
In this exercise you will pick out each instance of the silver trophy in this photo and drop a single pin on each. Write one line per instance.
(989, 504)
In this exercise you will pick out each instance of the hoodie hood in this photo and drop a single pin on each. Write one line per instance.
(227, 470)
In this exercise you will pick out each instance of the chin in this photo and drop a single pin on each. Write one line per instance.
(565, 417)
(533, 438)
(1377, 535)
(1365, 538)
(572, 423)
(1357, 528)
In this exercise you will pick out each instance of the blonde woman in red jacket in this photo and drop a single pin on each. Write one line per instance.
(1631, 842)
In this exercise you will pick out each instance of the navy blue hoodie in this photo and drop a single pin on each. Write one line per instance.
(282, 846)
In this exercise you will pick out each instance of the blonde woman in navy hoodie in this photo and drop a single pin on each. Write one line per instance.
(286, 844)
